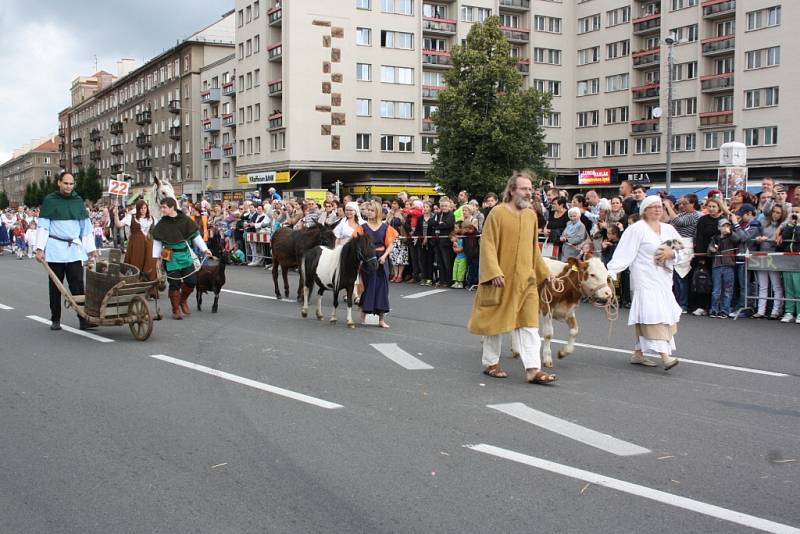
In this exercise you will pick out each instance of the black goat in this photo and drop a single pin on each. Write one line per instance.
(212, 278)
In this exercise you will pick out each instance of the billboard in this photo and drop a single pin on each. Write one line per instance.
(599, 176)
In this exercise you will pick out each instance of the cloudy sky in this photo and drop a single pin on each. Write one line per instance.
(45, 44)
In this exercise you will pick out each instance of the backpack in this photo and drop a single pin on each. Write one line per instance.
(701, 281)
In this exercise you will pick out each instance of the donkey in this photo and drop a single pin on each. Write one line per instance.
(288, 247)
(336, 269)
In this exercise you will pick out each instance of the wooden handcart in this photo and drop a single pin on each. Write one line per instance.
(125, 302)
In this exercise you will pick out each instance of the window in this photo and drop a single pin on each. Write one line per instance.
(722, 103)
(363, 4)
(586, 150)
(618, 147)
(399, 75)
(428, 143)
(474, 14)
(765, 57)
(683, 4)
(713, 140)
(391, 109)
(398, 7)
(684, 71)
(618, 16)
(587, 119)
(363, 141)
(256, 9)
(589, 55)
(617, 115)
(256, 77)
(764, 18)
(648, 145)
(249, 78)
(257, 112)
(249, 47)
(240, 18)
(257, 145)
(618, 49)
(509, 21)
(552, 120)
(256, 44)
(405, 143)
(542, 23)
(548, 86)
(363, 36)
(553, 150)
(589, 24)
(363, 107)
(397, 143)
(726, 28)
(364, 72)
(241, 50)
(439, 45)
(550, 56)
(589, 87)
(685, 34)
(723, 66)
(761, 136)
(436, 11)
(400, 40)
(772, 94)
(684, 106)
(277, 141)
(618, 82)
(684, 143)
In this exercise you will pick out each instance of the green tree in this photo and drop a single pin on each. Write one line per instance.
(36, 194)
(92, 188)
(80, 183)
(488, 124)
(3, 200)
(26, 198)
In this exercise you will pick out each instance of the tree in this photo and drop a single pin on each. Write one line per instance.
(3, 200)
(92, 188)
(80, 183)
(36, 195)
(488, 124)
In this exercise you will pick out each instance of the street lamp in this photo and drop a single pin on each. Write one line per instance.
(670, 42)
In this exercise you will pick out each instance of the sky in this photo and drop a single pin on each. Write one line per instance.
(45, 44)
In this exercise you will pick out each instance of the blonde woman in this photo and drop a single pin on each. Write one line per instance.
(375, 298)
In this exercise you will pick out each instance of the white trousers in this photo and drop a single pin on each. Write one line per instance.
(252, 248)
(765, 279)
(526, 340)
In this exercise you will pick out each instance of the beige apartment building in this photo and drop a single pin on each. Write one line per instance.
(146, 123)
(30, 164)
(346, 87)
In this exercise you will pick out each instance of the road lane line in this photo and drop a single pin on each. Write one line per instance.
(424, 294)
(83, 333)
(4, 307)
(401, 357)
(249, 294)
(638, 490)
(585, 435)
(696, 362)
(248, 382)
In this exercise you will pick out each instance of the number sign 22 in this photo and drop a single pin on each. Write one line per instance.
(116, 187)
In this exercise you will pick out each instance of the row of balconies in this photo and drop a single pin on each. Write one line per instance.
(210, 95)
(94, 135)
(275, 16)
(275, 52)
(215, 153)
(714, 9)
(229, 120)
(229, 89)
(144, 117)
(275, 88)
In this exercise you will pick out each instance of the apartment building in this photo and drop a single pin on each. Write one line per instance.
(351, 85)
(141, 124)
(30, 164)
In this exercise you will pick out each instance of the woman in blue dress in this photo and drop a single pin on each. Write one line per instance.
(375, 298)
(7, 220)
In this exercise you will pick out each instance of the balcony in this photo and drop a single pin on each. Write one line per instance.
(515, 5)
(117, 168)
(61, 147)
(717, 46)
(644, 126)
(211, 124)
(275, 88)
(229, 89)
(210, 95)
(144, 141)
(116, 149)
(644, 59)
(77, 160)
(275, 52)
(516, 35)
(646, 93)
(175, 133)
(275, 16)
(276, 121)
(229, 150)
(431, 92)
(647, 25)
(144, 117)
(77, 142)
(229, 120)
(174, 106)
(144, 164)
(524, 66)
(717, 83)
(436, 26)
(715, 9)
(428, 126)
(62, 163)
(436, 59)
(716, 118)
(116, 128)
(94, 135)
(61, 132)
(175, 159)
(94, 155)
(212, 153)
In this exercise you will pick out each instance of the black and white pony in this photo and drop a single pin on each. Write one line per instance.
(336, 269)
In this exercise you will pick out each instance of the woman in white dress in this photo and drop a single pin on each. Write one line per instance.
(645, 249)
(343, 232)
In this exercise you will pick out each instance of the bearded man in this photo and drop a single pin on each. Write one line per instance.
(511, 271)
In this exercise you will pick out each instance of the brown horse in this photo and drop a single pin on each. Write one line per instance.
(288, 247)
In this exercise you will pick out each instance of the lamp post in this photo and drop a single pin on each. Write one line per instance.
(670, 42)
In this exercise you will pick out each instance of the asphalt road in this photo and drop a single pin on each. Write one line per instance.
(313, 429)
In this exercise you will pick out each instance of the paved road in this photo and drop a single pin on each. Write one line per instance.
(255, 420)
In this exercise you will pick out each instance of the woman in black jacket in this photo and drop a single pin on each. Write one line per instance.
(707, 226)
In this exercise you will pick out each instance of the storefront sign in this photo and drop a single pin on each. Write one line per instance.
(600, 176)
(271, 177)
(317, 195)
(639, 178)
(233, 196)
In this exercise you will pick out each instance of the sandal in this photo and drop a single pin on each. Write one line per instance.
(641, 360)
(495, 371)
(540, 377)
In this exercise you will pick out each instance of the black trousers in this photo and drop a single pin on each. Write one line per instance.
(173, 278)
(445, 258)
(414, 252)
(74, 274)
(427, 255)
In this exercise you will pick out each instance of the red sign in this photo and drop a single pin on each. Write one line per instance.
(601, 176)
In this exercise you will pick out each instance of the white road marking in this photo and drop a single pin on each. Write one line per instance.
(4, 307)
(696, 362)
(424, 294)
(401, 357)
(248, 382)
(571, 430)
(83, 333)
(638, 490)
(249, 294)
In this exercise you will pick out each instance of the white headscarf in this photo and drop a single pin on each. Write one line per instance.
(648, 202)
(355, 207)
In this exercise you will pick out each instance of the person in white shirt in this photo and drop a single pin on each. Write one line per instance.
(140, 245)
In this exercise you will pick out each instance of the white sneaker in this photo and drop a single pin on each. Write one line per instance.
(457, 285)
(787, 318)
(797, 320)
(699, 312)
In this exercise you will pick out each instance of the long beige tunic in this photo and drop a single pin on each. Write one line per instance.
(509, 247)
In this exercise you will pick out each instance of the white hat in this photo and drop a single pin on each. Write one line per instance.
(649, 202)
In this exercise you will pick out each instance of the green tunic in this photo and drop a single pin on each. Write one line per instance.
(181, 257)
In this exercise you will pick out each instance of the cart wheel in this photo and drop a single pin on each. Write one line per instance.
(141, 322)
